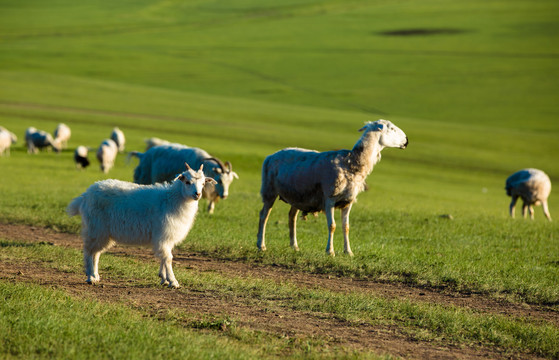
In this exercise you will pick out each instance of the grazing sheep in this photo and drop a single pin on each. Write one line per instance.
(80, 157)
(118, 137)
(62, 133)
(126, 213)
(7, 138)
(533, 186)
(153, 141)
(312, 181)
(106, 154)
(39, 139)
(161, 163)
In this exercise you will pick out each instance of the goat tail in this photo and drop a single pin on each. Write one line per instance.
(73, 208)
(132, 154)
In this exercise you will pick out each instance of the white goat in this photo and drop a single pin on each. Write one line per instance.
(62, 133)
(312, 181)
(157, 215)
(106, 154)
(118, 137)
(154, 141)
(533, 186)
(39, 139)
(7, 138)
(161, 163)
(80, 157)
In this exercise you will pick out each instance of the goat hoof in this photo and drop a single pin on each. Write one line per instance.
(164, 282)
(174, 285)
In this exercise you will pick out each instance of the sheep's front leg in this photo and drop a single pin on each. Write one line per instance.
(293, 227)
(345, 226)
(512, 205)
(329, 210)
(264, 215)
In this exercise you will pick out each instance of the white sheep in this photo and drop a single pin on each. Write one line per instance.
(533, 186)
(80, 157)
(7, 139)
(118, 137)
(106, 154)
(62, 133)
(39, 139)
(162, 163)
(154, 141)
(312, 181)
(126, 213)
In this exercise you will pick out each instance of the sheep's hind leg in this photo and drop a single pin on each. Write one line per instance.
(293, 227)
(264, 215)
(546, 210)
(329, 210)
(345, 226)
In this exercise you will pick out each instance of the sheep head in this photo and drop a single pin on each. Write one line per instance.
(390, 134)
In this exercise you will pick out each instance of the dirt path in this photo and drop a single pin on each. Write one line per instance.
(281, 322)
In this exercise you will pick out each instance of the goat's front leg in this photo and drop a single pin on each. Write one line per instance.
(166, 268)
(293, 227)
(211, 207)
(329, 210)
(345, 226)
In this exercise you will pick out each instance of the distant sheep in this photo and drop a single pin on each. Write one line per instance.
(162, 163)
(312, 181)
(159, 216)
(153, 141)
(106, 154)
(7, 139)
(62, 133)
(118, 137)
(80, 157)
(533, 187)
(39, 139)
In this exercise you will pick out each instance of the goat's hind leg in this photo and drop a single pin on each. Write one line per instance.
(329, 210)
(345, 226)
(92, 249)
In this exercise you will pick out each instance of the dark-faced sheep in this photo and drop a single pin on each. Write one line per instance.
(312, 181)
(533, 187)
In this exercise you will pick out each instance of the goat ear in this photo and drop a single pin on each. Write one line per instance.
(235, 175)
(187, 166)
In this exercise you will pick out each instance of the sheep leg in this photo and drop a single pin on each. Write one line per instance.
(512, 205)
(524, 209)
(345, 226)
(546, 210)
(329, 210)
(264, 215)
(531, 211)
(293, 227)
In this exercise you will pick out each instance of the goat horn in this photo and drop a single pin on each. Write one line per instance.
(187, 166)
(229, 166)
(219, 162)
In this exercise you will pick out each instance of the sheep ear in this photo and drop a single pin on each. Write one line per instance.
(187, 166)
(211, 181)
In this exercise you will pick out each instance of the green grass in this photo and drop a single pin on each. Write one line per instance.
(247, 78)
(422, 321)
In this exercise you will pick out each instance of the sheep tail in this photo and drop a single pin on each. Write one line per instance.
(73, 208)
(132, 154)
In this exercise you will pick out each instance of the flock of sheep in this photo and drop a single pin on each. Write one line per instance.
(159, 208)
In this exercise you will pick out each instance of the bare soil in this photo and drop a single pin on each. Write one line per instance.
(279, 321)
